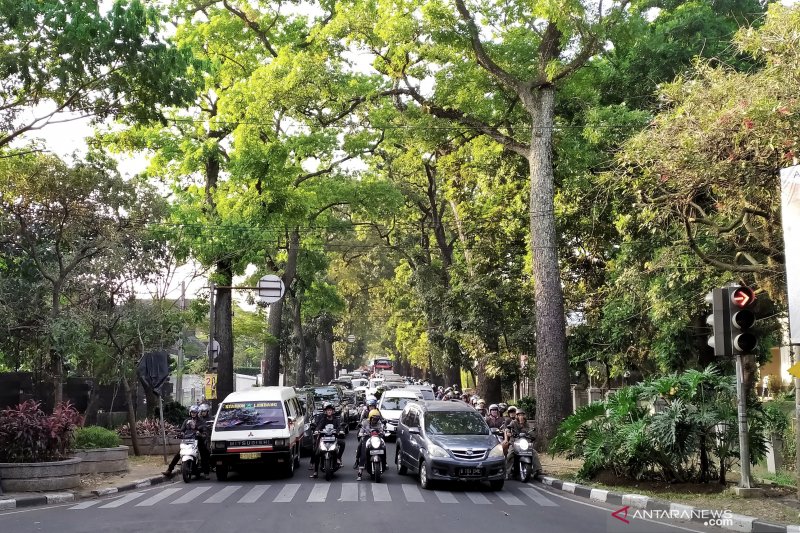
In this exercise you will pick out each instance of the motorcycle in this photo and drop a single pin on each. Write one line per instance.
(523, 457)
(190, 458)
(375, 448)
(329, 450)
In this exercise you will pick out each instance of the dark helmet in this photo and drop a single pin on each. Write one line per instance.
(327, 405)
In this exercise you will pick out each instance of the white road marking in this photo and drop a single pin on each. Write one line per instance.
(319, 492)
(380, 493)
(477, 497)
(412, 493)
(191, 495)
(349, 492)
(538, 497)
(445, 497)
(221, 495)
(287, 493)
(122, 501)
(586, 504)
(510, 499)
(254, 494)
(86, 504)
(154, 499)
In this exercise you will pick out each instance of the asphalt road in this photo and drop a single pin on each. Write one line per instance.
(260, 502)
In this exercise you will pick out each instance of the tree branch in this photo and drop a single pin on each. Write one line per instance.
(253, 25)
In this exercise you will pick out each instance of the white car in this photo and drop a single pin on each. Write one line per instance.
(391, 404)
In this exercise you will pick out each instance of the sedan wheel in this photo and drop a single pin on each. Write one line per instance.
(424, 482)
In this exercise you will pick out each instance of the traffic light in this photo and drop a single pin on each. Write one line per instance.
(719, 320)
(742, 300)
(731, 318)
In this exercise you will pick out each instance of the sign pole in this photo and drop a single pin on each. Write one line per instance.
(744, 446)
(163, 431)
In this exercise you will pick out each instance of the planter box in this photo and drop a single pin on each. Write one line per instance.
(34, 477)
(152, 445)
(103, 460)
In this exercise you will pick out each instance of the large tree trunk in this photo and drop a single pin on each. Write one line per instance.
(55, 356)
(223, 329)
(322, 365)
(131, 414)
(273, 355)
(488, 386)
(300, 374)
(331, 368)
(552, 377)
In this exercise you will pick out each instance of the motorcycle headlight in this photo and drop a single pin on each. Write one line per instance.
(437, 451)
(523, 445)
(497, 451)
(375, 442)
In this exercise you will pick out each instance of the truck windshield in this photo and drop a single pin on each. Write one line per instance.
(240, 416)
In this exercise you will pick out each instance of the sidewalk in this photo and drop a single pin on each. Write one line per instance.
(143, 471)
(776, 511)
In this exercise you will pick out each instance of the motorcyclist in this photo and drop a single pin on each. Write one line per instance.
(517, 426)
(204, 442)
(510, 414)
(481, 407)
(373, 423)
(494, 419)
(192, 427)
(372, 403)
(502, 406)
(328, 417)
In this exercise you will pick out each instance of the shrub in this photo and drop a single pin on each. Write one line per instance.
(529, 404)
(670, 428)
(28, 435)
(95, 437)
(775, 420)
(789, 448)
(148, 427)
(774, 385)
(174, 413)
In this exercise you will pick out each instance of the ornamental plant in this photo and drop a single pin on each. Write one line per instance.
(28, 435)
(148, 427)
(93, 437)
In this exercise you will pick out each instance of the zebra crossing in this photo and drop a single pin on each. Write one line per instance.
(516, 495)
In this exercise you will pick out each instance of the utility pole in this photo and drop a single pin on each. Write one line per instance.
(179, 378)
(212, 317)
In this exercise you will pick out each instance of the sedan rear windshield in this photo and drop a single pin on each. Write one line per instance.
(395, 404)
(455, 423)
(240, 416)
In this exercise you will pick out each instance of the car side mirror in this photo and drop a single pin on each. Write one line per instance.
(414, 431)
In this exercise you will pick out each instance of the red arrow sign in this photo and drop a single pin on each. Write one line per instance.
(743, 296)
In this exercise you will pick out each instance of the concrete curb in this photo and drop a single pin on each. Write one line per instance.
(52, 498)
(747, 524)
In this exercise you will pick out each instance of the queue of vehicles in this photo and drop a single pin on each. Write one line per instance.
(437, 440)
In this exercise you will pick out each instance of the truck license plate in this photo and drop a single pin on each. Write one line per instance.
(250, 455)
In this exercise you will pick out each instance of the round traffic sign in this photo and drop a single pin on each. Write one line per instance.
(270, 289)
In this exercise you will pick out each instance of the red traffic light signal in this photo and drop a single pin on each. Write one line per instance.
(742, 297)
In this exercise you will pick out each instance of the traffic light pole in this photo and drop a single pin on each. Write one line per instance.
(744, 445)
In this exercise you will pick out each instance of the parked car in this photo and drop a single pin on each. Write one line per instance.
(448, 441)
